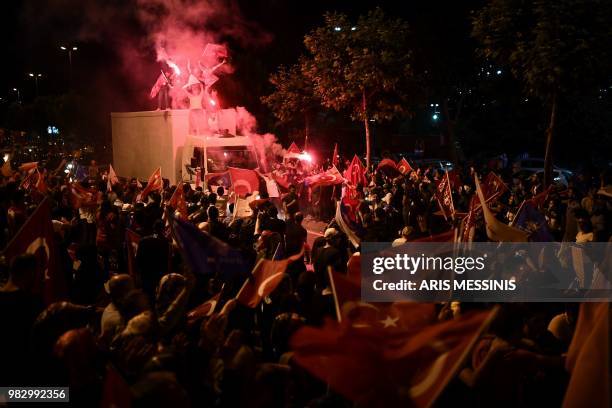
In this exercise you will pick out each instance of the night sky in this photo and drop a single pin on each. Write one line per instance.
(33, 32)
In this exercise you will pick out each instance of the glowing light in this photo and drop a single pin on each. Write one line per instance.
(69, 165)
(224, 154)
(435, 116)
(74, 48)
(338, 28)
(63, 48)
(6, 157)
(498, 72)
(353, 28)
(212, 102)
(15, 89)
(174, 67)
(306, 157)
(31, 74)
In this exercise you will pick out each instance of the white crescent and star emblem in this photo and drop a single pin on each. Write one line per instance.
(262, 286)
(389, 322)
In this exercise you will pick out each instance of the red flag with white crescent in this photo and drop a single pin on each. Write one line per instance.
(266, 276)
(155, 183)
(244, 181)
(177, 201)
(329, 177)
(205, 309)
(378, 349)
(403, 166)
(36, 237)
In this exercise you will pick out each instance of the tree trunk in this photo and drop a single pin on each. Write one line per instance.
(366, 124)
(548, 155)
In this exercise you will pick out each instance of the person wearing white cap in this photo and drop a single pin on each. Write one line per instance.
(195, 91)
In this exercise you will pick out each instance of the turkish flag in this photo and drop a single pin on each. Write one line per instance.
(205, 309)
(36, 237)
(403, 166)
(177, 201)
(244, 181)
(155, 183)
(82, 197)
(266, 276)
(327, 178)
(355, 174)
(388, 167)
(391, 356)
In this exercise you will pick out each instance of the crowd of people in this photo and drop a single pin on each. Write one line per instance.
(137, 327)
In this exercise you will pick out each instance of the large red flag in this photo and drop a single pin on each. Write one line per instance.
(244, 181)
(404, 167)
(355, 175)
(266, 276)
(155, 183)
(36, 237)
(393, 355)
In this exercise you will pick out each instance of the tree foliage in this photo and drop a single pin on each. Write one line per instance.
(293, 97)
(363, 67)
(554, 47)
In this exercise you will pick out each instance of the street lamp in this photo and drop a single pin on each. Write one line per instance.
(35, 75)
(69, 50)
(18, 95)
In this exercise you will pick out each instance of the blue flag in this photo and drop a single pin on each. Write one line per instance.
(81, 173)
(207, 255)
(531, 220)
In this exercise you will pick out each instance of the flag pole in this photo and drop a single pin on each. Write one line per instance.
(333, 288)
(450, 188)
